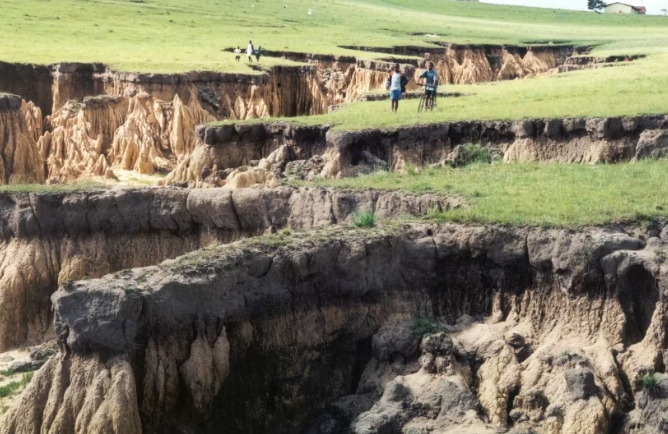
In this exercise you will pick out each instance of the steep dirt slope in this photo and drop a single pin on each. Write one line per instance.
(21, 160)
(418, 328)
(99, 119)
(49, 239)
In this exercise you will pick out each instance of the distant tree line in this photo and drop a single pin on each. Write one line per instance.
(595, 5)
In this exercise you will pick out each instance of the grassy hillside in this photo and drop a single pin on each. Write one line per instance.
(185, 35)
(639, 88)
(566, 195)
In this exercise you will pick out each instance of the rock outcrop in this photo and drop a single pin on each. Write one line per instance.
(52, 238)
(417, 328)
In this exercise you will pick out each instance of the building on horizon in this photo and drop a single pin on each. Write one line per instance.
(623, 8)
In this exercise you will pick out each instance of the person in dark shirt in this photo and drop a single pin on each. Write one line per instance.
(430, 85)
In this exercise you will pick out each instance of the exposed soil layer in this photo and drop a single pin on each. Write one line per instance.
(418, 328)
(52, 238)
(469, 64)
(278, 147)
(20, 127)
(279, 91)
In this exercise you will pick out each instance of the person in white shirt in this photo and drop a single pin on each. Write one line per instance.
(396, 84)
(250, 50)
(237, 53)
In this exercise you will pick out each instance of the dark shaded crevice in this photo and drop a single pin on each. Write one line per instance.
(363, 355)
(638, 296)
(512, 394)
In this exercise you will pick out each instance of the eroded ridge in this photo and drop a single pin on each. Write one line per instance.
(239, 155)
(49, 239)
(446, 328)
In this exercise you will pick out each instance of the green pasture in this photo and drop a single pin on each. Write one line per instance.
(187, 35)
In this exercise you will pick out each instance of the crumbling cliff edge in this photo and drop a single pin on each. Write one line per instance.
(48, 239)
(416, 327)
(272, 150)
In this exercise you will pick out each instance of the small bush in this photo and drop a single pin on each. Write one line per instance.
(425, 326)
(14, 386)
(649, 381)
(365, 220)
(473, 154)
(6, 373)
(411, 170)
(8, 389)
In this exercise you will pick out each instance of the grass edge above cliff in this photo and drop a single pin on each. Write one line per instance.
(535, 194)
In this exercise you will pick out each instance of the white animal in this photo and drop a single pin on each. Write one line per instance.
(310, 12)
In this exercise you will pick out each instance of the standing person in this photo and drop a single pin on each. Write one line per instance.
(250, 50)
(258, 53)
(237, 53)
(430, 85)
(396, 83)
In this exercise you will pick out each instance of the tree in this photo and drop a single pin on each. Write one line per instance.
(595, 5)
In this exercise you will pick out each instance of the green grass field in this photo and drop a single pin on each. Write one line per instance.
(557, 195)
(639, 88)
(186, 35)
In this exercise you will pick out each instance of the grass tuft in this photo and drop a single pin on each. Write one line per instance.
(426, 326)
(474, 154)
(649, 381)
(15, 386)
(366, 219)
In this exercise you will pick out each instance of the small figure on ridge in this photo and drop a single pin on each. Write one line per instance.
(250, 50)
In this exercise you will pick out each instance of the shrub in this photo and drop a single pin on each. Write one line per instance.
(365, 219)
(14, 386)
(649, 381)
(425, 326)
(8, 389)
(472, 154)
